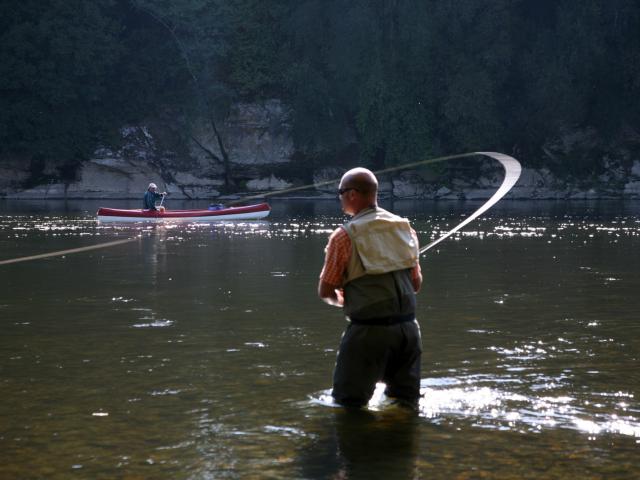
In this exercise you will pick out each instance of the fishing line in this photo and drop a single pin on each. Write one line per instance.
(67, 252)
(511, 167)
(512, 170)
(337, 180)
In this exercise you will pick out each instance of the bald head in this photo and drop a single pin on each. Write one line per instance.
(359, 190)
(361, 179)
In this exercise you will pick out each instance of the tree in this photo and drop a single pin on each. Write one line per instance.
(200, 31)
(55, 56)
(256, 38)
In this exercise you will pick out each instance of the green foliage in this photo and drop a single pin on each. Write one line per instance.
(390, 81)
(200, 31)
(54, 59)
(256, 66)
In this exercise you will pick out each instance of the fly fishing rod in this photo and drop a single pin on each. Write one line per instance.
(512, 169)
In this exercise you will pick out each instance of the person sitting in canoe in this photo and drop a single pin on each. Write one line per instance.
(151, 196)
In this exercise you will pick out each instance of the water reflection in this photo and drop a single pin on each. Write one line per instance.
(478, 400)
(493, 402)
(359, 444)
(192, 352)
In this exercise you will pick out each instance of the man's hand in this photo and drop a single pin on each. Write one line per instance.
(331, 294)
(416, 278)
(339, 297)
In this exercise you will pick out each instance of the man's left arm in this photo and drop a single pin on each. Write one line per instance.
(416, 272)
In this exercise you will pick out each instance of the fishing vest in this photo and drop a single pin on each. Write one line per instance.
(378, 280)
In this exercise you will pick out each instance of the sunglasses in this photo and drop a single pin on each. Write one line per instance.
(342, 191)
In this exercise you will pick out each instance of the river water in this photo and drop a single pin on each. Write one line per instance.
(202, 351)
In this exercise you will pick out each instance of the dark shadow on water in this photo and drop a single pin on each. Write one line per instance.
(354, 444)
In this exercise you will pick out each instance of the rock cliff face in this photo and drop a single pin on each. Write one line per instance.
(255, 135)
(257, 138)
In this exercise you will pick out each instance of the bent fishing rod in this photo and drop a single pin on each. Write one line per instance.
(512, 171)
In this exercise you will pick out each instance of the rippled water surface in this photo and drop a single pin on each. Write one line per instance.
(201, 351)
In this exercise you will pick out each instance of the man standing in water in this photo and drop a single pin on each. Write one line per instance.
(371, 269)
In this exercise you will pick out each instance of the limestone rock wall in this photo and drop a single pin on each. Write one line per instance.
(260, 147)
(256, 135)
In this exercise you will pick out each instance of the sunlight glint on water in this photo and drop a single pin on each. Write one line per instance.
(199, 345)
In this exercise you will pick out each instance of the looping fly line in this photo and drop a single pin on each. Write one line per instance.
(512, 170)
(511, 167)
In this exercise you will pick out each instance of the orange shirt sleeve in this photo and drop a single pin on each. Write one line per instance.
(336, 257)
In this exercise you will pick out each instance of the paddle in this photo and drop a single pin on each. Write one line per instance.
(161, 209)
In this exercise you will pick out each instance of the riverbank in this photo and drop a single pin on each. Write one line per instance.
(532, 185)
(263, 158)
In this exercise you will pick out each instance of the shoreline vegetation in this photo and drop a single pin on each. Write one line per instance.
(211, 98)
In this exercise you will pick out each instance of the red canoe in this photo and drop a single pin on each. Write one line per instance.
(249, 212)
